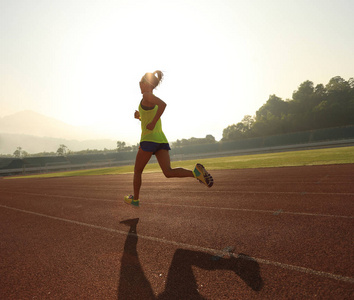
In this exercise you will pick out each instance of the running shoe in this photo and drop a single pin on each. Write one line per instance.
(203, 176)
(130, 200)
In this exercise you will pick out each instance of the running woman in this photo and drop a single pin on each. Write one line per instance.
(154, 142)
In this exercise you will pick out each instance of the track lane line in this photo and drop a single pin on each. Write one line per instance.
(193, 247)
(253, 210)
(193, 206)
(302, 193)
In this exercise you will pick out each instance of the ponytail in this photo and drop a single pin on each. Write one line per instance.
(154, 79)
(159, 76)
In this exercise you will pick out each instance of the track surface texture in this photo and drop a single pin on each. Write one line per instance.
(272, 233)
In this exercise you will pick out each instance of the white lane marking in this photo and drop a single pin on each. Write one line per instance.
(194, 247)
(218, 192)
(252, 210)
(191, 206)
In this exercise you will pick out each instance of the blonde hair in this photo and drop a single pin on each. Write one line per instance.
(153, 79)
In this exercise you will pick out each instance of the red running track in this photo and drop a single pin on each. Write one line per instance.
(273, 233)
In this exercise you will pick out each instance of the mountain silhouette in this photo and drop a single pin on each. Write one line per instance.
(32, 123)
(37, 133)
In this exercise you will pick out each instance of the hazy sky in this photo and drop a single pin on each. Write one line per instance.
(81, 61)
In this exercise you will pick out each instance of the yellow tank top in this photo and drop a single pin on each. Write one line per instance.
(156, 135)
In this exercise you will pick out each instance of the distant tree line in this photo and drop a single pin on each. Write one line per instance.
(63, 150)
(121, 147)
(311, 107)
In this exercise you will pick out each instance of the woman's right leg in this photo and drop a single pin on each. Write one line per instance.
(163, 158)
(142, 158)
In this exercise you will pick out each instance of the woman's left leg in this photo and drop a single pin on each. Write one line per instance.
(142, 158)
(163, 157)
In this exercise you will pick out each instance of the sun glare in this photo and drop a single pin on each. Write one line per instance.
(103, 86)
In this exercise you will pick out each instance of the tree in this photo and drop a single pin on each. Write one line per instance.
(340, 102)
(247, 122)
(135, 147)
(18, 152)
(240, 130)
(275, 106)
(62, 150)
(336, 84)
(304, 92)
(209, 139)
(320, 90)
(120, 146)
(232, 133)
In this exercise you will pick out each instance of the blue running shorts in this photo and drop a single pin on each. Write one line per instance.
(154, 147)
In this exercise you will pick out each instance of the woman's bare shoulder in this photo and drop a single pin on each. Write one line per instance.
(150, 98)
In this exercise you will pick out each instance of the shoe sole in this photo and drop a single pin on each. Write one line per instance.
(209, 181)
(135, 206)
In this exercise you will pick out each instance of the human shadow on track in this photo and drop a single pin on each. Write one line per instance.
(133, 283)
(181, 282)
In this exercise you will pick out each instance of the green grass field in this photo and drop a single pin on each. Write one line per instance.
(342, 155)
